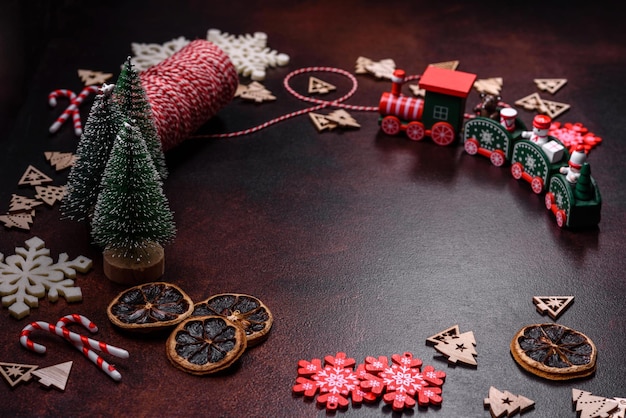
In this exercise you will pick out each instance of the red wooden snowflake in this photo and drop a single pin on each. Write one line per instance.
(404, 382)
(574, 134)
(336, 382)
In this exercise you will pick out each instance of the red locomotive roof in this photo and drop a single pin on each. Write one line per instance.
(442, 80)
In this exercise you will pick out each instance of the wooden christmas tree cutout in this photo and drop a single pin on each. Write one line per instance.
(89, 77)
(457, 347)
(56, 375)
(531, 102)
(254, 91)
(321, 122)
(361, 64)
(15, 373)
(33, 177)
(552, 305)
(60, 160)
(380, 69)
(554, 109)
(22, 203)
(50, 194)
(319, 86)
(591, 406)
(489, 85)
(343, 119)
(21, 220)
(448, 65)
(551, 85)
(505, 403)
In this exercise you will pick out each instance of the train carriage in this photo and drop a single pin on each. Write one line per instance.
(574, 205)
(484, 136)
(537, 163)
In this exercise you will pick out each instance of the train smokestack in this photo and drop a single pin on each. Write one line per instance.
(397, 79)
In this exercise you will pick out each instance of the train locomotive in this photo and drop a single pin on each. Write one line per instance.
(571, 194)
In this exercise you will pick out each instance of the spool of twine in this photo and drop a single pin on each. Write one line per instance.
(189, 88)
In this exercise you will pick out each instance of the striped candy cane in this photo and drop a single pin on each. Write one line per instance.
(81, 342)
(72, 109)
(90, 354)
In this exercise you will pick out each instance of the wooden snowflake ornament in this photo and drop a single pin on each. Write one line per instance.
(503, 404)
(552, 305)
(455, 346)
(15, 373)
(27, 275)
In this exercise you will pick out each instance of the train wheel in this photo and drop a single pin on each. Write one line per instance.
(442, 133)
(517, 170)
(561, 218)
(536, 184)
(549, 200)
(471, 146)
(415, 131)
(390, 125)
(497, 158)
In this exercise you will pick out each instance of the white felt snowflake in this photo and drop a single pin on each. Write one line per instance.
(147, 55)
(248, 53)
(27, 275)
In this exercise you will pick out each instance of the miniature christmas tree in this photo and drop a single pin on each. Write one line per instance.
(132, 219)
(584, 187)
(94, 147)
(134, 104)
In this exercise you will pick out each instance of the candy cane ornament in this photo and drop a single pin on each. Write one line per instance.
(81, 342)
(90, 354)
(72, 109)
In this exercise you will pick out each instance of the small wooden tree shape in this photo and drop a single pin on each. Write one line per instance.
(94, 147)
(505, 404)
(134, 104)
(455, 346)
(132, 219)
(592, 406)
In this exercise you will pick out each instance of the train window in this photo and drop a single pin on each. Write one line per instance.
(440, 112)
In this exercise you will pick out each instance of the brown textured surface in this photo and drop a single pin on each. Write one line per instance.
(356, 241)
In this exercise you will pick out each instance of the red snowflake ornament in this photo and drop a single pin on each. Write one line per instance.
(336, 382)
(574, 134)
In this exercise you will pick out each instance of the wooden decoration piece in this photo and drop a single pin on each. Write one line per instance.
(50, 194)
(321, 122)
(456, 346)
(554, 109)
(415, 89)
(382, 69)
(489, 85)
(343, 119)
(56, 375)
(552, 305)
(591, 406)
(551, 85)
(22, 203)
(320, 86)
(254, 91)
(449, 65)
(33, 177)
(89, 77)
(531, 102)
(28, 274)
(21, 220)
(621, 409)
(15, 373)
(361, 64)
(60, 160)
(505, 403)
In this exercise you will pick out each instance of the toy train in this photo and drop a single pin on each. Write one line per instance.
(571, 194)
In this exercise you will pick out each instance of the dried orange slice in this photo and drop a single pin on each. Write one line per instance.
(554, 351)
(150, 306)
(244, 310)
(205, 344)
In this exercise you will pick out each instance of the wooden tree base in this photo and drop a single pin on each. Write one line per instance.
(130, 271)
